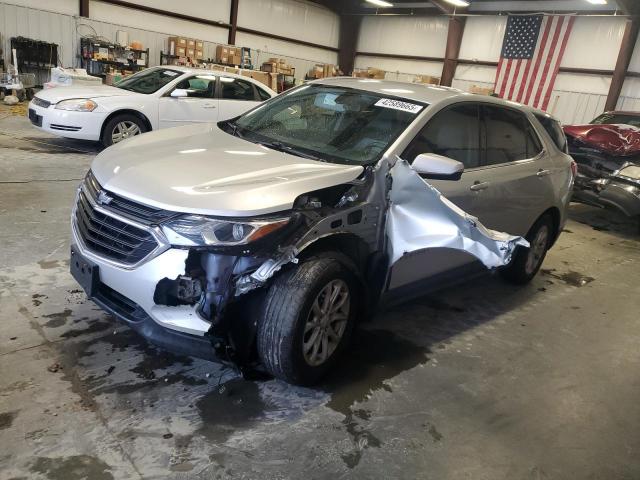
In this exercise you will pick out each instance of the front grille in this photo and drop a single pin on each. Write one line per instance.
(110, 237)
(128, 208)
(40, 102)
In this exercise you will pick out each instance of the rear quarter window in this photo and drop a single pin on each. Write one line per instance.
(553, 128)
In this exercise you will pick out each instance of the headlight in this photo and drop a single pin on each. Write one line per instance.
(77, 105)
(191, 230)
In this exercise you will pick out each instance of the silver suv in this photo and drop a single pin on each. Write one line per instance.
(263, 239)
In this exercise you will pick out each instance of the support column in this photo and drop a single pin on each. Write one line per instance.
(452, 51)
(622, 64)
(348, 40)
(233, 22)
(84, 8)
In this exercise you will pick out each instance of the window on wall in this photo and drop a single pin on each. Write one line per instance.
(236, 89)
(454, 133)
(509, 136)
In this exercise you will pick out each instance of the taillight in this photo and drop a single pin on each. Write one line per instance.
(574, 168)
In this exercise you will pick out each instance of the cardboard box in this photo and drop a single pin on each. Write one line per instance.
(199, 45)
(222, 54)
(191, 43)
(427, 79)
(175, 43)
(199, 54)
(191, 53)
(180, 51)
(236, 59)
(481, 90)
(262, 77)
(270, 67)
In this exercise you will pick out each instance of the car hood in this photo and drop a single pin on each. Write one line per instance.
(203, 170)
(57, 94)
(614, 139)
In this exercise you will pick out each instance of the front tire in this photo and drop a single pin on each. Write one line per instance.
(120, 128)
(308, 317)
(527, 261)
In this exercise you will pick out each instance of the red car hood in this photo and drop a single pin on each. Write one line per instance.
(619, 140)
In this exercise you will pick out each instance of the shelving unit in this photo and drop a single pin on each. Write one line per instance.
(122, 58)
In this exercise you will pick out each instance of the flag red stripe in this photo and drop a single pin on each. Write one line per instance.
(543, 44)
(499, 69)
(505, 80)
(515, 78)
(525, 77)
(565, 39)
(548, 60)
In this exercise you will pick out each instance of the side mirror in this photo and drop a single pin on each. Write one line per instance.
(438, 167)
(180, 92)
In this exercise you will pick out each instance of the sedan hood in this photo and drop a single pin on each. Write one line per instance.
(201, 169)
(57, 94)
(616, 140)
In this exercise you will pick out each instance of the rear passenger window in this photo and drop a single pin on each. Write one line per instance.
(454, 133)
(554, 130)
(263, 94)
(235, 89)
(509, 136)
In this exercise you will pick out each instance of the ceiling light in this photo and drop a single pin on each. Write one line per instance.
(458, 3)
(598, 2)
(380, 3)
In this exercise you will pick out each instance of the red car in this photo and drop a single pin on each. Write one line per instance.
(607, 152)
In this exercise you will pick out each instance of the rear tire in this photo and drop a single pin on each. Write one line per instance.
(120, 128)
(527, 261)
(308, 316)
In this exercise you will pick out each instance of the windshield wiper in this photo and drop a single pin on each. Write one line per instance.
(281, 147)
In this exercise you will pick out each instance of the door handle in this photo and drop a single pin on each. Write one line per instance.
(477, 186)
(208, 105)
(543, 173)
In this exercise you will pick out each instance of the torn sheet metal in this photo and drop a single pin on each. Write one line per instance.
(420, 217)
(265, 271)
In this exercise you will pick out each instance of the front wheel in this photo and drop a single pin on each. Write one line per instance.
(120, 128)
(308, 316)
(527, 261)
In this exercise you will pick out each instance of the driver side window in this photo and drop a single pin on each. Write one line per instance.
(453, 132)
(199, 86)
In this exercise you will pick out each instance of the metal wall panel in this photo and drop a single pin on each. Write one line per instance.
(403, 70)
(423, 36)
(163, 25)
(217, 10)
(40, 25)
(68, 7)
(301, 57)
(291, 18)
(594, 43)
(482, 39)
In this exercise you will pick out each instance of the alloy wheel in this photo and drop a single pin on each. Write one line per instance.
(124, 130)
(537, 249)
(326, 322)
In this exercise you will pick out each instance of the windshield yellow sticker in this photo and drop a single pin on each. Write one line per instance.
(398, 105)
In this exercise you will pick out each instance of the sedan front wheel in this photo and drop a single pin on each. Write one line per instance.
(120, 128)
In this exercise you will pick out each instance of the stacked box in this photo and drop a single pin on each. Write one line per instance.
(427, 79)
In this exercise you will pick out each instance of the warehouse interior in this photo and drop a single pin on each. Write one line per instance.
(478, 379)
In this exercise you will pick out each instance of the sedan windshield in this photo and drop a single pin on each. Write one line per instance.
(335, 124)
(617, 118)
(148, 81)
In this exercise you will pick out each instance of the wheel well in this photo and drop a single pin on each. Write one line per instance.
(554, 213)
(353, 247)
(125, 111)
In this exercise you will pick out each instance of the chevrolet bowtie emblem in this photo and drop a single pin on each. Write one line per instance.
(103, 198)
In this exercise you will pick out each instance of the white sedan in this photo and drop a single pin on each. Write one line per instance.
(159, 97)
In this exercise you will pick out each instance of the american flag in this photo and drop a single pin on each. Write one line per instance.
(532, 50)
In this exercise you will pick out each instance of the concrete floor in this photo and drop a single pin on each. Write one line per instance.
(484, 381)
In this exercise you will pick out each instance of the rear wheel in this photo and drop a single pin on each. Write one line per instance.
(120, 128)
(527, 261)
(307, 320)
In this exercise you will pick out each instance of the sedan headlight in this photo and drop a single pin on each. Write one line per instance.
(192, 230)
(77, 105)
